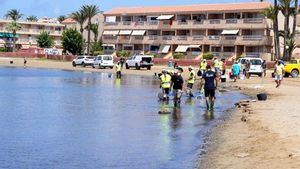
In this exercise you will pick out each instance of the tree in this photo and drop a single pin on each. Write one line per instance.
(96, 48)
(89, 11)
(285, 6)
(296, 9)
(32, 18)
(44, 40)
(272, 14)
(72, 41)
(61, 18)
(94, 29)
(14, 15)
(80, 18)
(276, 31)
(291, 46)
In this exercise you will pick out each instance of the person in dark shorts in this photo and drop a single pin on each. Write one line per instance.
(210, 82)
(177, 85)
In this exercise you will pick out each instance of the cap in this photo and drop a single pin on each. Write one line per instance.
(175, 71)
(191, 67)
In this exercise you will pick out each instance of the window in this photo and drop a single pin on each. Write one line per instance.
(90, 57)
(107, 58)
(255, 62)
(293, 61)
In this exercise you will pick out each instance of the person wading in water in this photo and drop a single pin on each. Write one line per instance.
(210, 82)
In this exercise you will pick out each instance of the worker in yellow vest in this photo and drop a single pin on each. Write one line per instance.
(203, 65)
(118, 70)
(165, 84)
(190, 81)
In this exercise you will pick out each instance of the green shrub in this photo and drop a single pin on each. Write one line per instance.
(208, 56)
(178, 56)
(3, 49)
(123, 53)
(96, 53)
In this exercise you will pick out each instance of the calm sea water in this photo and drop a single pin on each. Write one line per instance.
(65, 120)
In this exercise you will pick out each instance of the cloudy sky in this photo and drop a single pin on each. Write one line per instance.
(53, 8)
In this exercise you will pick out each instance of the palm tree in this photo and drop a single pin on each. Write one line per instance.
(271, 13)
(80, 18)
(90, 11)
(32, 18)
(295, 18)
(94, 29)
(61, 18)
(14, 15)
(285, 6)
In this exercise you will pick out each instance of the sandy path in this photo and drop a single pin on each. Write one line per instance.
(270, 139)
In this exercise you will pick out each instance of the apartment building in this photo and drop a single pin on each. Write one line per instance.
(27, 36)
(224, 29)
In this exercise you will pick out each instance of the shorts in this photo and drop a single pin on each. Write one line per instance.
(166, 91)
(190, 85)
(278, 77)
(209, 93)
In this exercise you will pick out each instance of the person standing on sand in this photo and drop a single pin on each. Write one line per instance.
(210, 82)
(279, 70)
(264, 68)
(190, 81)
(247, 69)
(236, 68)
(25, 61)
(203, 65)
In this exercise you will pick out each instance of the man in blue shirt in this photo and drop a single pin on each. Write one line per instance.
(210, 82)
(236, 70)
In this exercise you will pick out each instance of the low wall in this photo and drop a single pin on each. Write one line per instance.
(35, 55)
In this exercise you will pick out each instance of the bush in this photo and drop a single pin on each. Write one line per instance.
(123, 53)
(96, 53)
(72, 41)
(178, 56)
(208, 56)
(3, 49)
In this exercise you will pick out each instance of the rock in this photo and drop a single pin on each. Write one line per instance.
(291, 155)
(242, 155)
(244, 118)
(164, 111)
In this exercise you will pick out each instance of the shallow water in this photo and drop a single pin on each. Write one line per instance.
(63, 119)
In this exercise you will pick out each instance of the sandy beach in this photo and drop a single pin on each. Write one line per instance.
(268, 136)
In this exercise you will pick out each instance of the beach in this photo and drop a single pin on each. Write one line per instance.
(267, 137)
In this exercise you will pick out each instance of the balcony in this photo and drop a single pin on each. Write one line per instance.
(214, 21)
(231, 21)
(254, 20)
(182, 38)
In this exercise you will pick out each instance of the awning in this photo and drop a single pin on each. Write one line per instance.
(114, 32)
(108, 45)
(164, 48)
(182, 48)
(110, 19)
(125, 32)
(165, 17)
(230, 32)
(138, 33)
(7, 35)
(194, 46)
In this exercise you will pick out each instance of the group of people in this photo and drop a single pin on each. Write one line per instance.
(208, 73)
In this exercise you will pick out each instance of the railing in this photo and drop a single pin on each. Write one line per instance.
(153, 37)
(213, 37)
(182, 38)
(152, 22)
(182, 22)
(217, 54)
(230, 37)
(111, 23)
(110, 37)
(253, 20)
(231, 21)
(228, 54)
(198, 37)
(139, 23)
(127, 22)
(252, 37)
(167, 37)
(214, 21)
(138, 37)
(195, 22)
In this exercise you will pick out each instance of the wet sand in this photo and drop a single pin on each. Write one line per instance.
(268, 139)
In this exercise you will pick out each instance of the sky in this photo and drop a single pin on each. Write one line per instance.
(54, 8)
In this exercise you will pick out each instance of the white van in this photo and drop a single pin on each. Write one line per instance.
(255, 65)
(139, 61)
(103, 61)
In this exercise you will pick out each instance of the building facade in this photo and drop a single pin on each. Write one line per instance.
(226, 30)
(27, 36)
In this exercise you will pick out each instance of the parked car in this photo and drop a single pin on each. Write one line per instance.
(139, 61)
(103, 61)
(83, 61)
(292, 68)
(255, 65)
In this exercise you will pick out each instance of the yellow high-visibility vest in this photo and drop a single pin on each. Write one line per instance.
(221, 65)
(165, 81)
(203, 65)
(118, 68)
(192, 77)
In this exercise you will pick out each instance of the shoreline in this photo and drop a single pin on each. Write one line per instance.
(267, 139)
